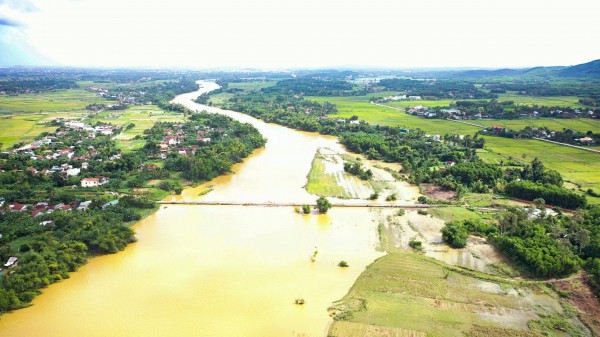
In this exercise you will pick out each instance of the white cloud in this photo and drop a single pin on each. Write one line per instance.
(268, 33)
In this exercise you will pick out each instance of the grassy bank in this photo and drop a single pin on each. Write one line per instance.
(413, 295)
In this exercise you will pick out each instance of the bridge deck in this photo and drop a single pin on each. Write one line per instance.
(288, 204)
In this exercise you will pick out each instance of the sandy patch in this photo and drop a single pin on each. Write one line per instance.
(400, 230)
(435, 192)
(153, 182)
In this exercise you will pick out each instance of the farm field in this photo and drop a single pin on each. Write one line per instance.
(562, 101)
(23, 116)
(413, 295)
(57, 101)
(581, 124)
(25, 127)
(578, 166)
(143, 117)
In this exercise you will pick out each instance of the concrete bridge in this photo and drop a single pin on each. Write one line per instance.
(289, 204)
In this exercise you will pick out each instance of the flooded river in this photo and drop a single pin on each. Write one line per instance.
(219, 270)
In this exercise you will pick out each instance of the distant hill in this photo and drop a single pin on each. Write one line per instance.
(590, 69)
(586, 70)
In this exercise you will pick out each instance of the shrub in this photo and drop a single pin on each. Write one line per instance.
(306, 209)
(415, 244)
(374, 196)
(343, 264)
(391, 197)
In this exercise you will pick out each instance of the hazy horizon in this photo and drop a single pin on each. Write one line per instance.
(268, 34)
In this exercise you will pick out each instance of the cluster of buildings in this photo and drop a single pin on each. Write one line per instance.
(175, 136)
(103, 129)
(42, 207)
(400, 98)
(131, 97)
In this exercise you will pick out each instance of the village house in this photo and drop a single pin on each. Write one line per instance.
(585, 140)
(93, 182)
(17, 207)
(110, 203)
(84, 205)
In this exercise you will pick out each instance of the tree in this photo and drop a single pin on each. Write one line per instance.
(455, 234)
(323, 205)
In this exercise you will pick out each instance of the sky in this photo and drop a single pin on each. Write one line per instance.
(276, 34)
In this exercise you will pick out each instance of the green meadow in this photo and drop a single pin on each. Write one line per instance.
(563, 101)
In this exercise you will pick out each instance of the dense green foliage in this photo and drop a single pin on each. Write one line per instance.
(357, 170)
(508, 110)
(18, 85)
(311, 87)
(567, 136)
(552, 194)
(455, 234)
(540, 243)
(435, 89)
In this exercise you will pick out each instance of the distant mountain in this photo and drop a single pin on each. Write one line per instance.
(590, 69)
(586, 70)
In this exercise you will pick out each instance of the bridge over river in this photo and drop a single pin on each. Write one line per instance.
(289, 204)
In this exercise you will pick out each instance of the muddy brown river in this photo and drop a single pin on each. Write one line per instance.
(219, 270)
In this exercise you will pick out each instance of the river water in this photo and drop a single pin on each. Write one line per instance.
(219, 270)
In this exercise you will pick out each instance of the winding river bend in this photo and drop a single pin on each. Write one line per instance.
(219, 270)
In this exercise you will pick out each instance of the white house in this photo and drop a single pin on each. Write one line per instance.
(93, 182)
